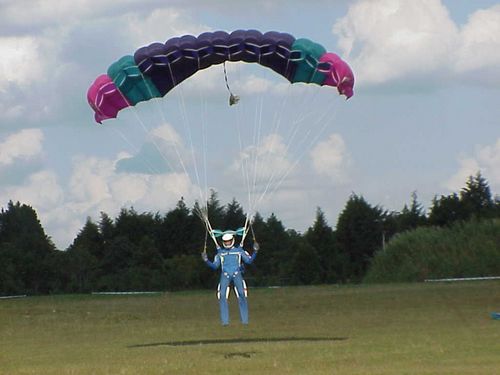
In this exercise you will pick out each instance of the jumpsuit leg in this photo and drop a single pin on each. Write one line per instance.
(222, 295)
(240, 288)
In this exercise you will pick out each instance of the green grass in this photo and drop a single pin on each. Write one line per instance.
(374, 329)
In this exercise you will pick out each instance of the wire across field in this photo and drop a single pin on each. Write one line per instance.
(377, 329)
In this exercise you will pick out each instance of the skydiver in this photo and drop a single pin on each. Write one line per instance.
(230, 258)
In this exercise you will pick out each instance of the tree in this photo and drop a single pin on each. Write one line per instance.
(147, 268)
(177, 234)
(476, 197)
(305, 265)
(413, 216)
(106, 228)
(215, 211)
(90, 239)
(117, 260)
(359, 235)
(321, 237)
(446, 210)
(234, 217)
(135, 226)
(25, 247)
(85, 253)
(82, 270)
(272, 264)
(474, 200)
(186, 272)
(10, 267)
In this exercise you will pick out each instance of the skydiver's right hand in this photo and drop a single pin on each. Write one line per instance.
(204, 256)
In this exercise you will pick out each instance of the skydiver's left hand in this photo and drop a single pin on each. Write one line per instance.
(256, 247)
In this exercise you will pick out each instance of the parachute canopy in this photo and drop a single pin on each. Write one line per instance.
(155, 69)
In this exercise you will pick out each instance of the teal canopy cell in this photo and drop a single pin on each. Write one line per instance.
(131, 82)
(306, 70)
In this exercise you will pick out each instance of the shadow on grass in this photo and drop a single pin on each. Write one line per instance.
(238, 341)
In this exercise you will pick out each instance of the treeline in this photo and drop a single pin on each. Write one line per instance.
(148, 251)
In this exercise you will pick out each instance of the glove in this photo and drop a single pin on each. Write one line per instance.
(256, 247)
(204, 256)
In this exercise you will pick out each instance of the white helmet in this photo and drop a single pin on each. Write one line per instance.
(228, 240)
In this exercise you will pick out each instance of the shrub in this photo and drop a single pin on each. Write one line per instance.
(466, 249)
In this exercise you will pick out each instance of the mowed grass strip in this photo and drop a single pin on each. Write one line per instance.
(367, 329)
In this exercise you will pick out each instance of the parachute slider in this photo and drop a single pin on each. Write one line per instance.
(233, 99)
(219, 233)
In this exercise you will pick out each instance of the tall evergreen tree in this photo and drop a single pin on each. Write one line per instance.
(147, 268)
(413, 216)
(176, 234)
(234, 216)
(11, 270)
(90, 239)
(272, 264)
(476, 197)
(321, 237)
(216, 211)
(359, 234)
(446, 210)
(86, 252)
(474, 200)
(135, 226)
(82, 270)
(117, 261)
(305, 265)
(106, 227)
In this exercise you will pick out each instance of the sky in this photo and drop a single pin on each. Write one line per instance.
(424, 116)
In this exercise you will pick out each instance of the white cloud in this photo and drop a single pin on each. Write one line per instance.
(330, 158)
(34, 14)
(159, 25)
(163, 191)
(21, 61)
(387, 39)
(89, 181)
(163, 151)
(42, 12)
(30, 70)
(480, 45)
(167, 133)
(23, 145)
(486, 160)
(96, 186)
(128, 188)
(263, 162)
(257, 85)
(418, 43)
(41, 190)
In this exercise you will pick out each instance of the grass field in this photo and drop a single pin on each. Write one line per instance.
(375, 329)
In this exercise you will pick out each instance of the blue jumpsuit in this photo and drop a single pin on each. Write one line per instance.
(230, 261)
